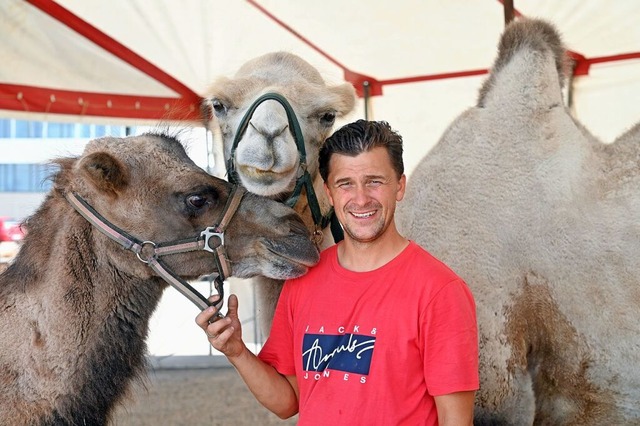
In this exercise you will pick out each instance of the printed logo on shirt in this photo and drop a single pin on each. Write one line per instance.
(344, 352)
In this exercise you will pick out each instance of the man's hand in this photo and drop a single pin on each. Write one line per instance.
(275, 391)
(224, 334)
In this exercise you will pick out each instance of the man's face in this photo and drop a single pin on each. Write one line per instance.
(363, 191)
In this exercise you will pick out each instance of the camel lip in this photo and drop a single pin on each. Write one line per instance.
(255, 173)
(306, 257)
(268, 184)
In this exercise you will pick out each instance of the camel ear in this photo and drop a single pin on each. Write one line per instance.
(206, 111)
(344, 98)
(105, 172)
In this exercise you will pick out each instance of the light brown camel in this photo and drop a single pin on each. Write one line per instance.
(75, 306)
(541, 220)
(267, 160)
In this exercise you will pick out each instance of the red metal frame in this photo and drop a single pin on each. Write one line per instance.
(186, 106)
(582, 64)
(50, 100)
(56, 101)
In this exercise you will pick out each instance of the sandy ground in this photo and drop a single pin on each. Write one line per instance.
(205, 396)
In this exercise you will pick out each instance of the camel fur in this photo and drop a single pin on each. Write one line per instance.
(540, 218)
(75, 306)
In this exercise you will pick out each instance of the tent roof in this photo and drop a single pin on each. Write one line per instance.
(137, 62)
(138, 59)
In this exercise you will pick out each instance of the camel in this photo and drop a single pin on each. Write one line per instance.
(266, 160)
(540, 218)
(75, 305)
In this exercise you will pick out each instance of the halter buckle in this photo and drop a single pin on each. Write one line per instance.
(302, 169)
(317, 236)
(211, 232)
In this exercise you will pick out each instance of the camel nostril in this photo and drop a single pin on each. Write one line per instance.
(269, 133)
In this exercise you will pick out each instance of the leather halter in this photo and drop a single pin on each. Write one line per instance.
(304, 179)
(149, 252)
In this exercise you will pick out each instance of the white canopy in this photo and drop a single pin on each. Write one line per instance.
(144, 61)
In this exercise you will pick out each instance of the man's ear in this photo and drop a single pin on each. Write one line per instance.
(105, 172)
(402, 186)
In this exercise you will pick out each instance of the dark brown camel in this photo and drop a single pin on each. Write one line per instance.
(75, 306)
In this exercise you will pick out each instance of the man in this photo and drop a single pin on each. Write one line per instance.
(379, 332)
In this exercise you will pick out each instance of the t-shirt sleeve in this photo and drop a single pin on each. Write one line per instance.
(278, 349)
(450, 341)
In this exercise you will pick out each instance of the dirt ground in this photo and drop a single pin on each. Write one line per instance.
(194, 397)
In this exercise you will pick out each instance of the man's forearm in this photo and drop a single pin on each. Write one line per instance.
(455, 409)
(270, 388)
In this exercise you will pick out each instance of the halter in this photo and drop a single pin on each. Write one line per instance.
(148, 252)
(304, 180)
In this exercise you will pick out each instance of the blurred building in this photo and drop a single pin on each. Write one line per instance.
(26, 147)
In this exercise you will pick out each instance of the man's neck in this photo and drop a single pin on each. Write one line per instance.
(367, 256)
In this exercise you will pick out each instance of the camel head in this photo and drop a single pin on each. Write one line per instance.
(148, 187)
(267, 159)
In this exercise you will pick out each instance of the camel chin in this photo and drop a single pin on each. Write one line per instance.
(267, 183)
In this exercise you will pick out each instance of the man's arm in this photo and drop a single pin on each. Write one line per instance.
(455, 409)
(276, 392)
(273, 390)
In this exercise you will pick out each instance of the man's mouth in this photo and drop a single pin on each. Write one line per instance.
(363, 215)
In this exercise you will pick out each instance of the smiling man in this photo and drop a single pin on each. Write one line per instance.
(380, 331)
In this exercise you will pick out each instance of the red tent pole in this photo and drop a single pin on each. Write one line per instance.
(101, 39)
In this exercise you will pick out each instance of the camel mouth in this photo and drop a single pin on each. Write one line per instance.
(290, 260)
(267, 182)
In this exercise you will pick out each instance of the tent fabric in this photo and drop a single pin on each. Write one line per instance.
(136, 61)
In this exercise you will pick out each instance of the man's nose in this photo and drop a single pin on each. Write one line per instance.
(361, 195)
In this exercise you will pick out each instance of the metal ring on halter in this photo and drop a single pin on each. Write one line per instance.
(149, 252)
(142, 246)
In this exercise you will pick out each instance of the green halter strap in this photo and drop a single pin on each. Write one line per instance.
(304, 180)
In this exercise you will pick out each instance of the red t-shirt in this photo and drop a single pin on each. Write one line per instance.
(375, 347)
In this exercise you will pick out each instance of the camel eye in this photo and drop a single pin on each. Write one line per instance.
(328, 118)
(218, 107)
(197, 201)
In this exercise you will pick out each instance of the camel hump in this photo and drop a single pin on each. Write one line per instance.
(531, 53)
(535, 35)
